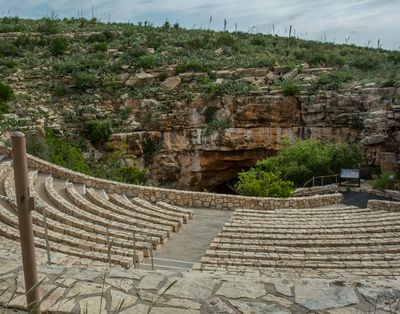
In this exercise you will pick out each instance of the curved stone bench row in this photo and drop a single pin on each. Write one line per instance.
(159, 213)
(79, 213)
(259, 264)
(300, 213)
(59, 242)
(390, 256)
(239, 233)
(385, 219)
(227, 237)
(249, 226)
(66, 230)
(311, 271)
(100, 201)
(152, 230)
(369, 245)
(86, 230)
(366, 215)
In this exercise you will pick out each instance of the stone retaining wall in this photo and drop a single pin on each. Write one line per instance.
(385, 205)
(182, 198)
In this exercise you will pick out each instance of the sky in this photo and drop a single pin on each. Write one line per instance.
(362, 22)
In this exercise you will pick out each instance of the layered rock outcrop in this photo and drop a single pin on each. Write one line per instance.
(194, 153)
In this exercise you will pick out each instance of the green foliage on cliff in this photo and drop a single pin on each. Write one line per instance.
(98, 131)
(112, 167)
(6, 93)
(263, 184)
(55, 149)
(304, 159)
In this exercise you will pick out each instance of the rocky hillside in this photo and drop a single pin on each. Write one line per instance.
(197, 106)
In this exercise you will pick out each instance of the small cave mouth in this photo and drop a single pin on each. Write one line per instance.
(227, 186)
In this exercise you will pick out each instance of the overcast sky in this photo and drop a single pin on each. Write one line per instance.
(335, 20)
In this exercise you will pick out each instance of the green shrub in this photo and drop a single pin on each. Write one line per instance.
(112, 167)
(100, 37)
(209, 113)
(98, 131)
(227, 40)
(263, 184)
(331, 81)
(365, 62)
(290, 88)
(84, 80)
(147, 62)
(55, 149)
(217, 124)
(6, 92)
(4, 108)
(8, 49)
(258, 40)
(59, 89)
(324, 58)
(191, 66)
(58, 46)
(150, 147)
(304, 159)
(102, 47)
(48, 26)
(385, 181)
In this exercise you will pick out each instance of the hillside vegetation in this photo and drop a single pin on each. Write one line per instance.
(68, 75)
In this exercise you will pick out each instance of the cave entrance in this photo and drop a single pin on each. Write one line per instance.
(228, 186)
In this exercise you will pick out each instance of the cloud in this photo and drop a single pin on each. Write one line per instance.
(364, 19)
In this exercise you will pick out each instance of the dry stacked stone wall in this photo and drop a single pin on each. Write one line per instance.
(179, 197)
(384, 205)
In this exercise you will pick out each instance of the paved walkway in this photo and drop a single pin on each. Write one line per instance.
(359, 199)
(190, 243)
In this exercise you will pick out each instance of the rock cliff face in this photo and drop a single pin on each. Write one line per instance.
(184, 149)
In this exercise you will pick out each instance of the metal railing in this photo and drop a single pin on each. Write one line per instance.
(321, 179)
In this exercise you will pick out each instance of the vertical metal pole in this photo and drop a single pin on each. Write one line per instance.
(313, 181)
(322, 181)
(25, 218)
(108, 248)
(134, 249)
(151, 254)
(46, 235)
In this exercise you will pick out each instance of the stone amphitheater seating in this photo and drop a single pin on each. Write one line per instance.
(333, 238)
(325, 236)
(87, 226)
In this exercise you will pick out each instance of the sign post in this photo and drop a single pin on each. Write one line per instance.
(24, 206)
(350, 174)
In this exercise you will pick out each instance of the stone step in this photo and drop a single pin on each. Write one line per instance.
(124, 223)
(132, 209)
(69, 208)
(153, 222)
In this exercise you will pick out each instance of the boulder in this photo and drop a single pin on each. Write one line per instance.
(171, 82)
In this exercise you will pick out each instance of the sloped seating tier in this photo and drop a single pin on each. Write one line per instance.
(157, 212)
(60, 242)
(85, 240)
(187, 214)
(120, 221)
(98, 200)
(66, 224)
(331, 238)
(360, 215)
(79, 213)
